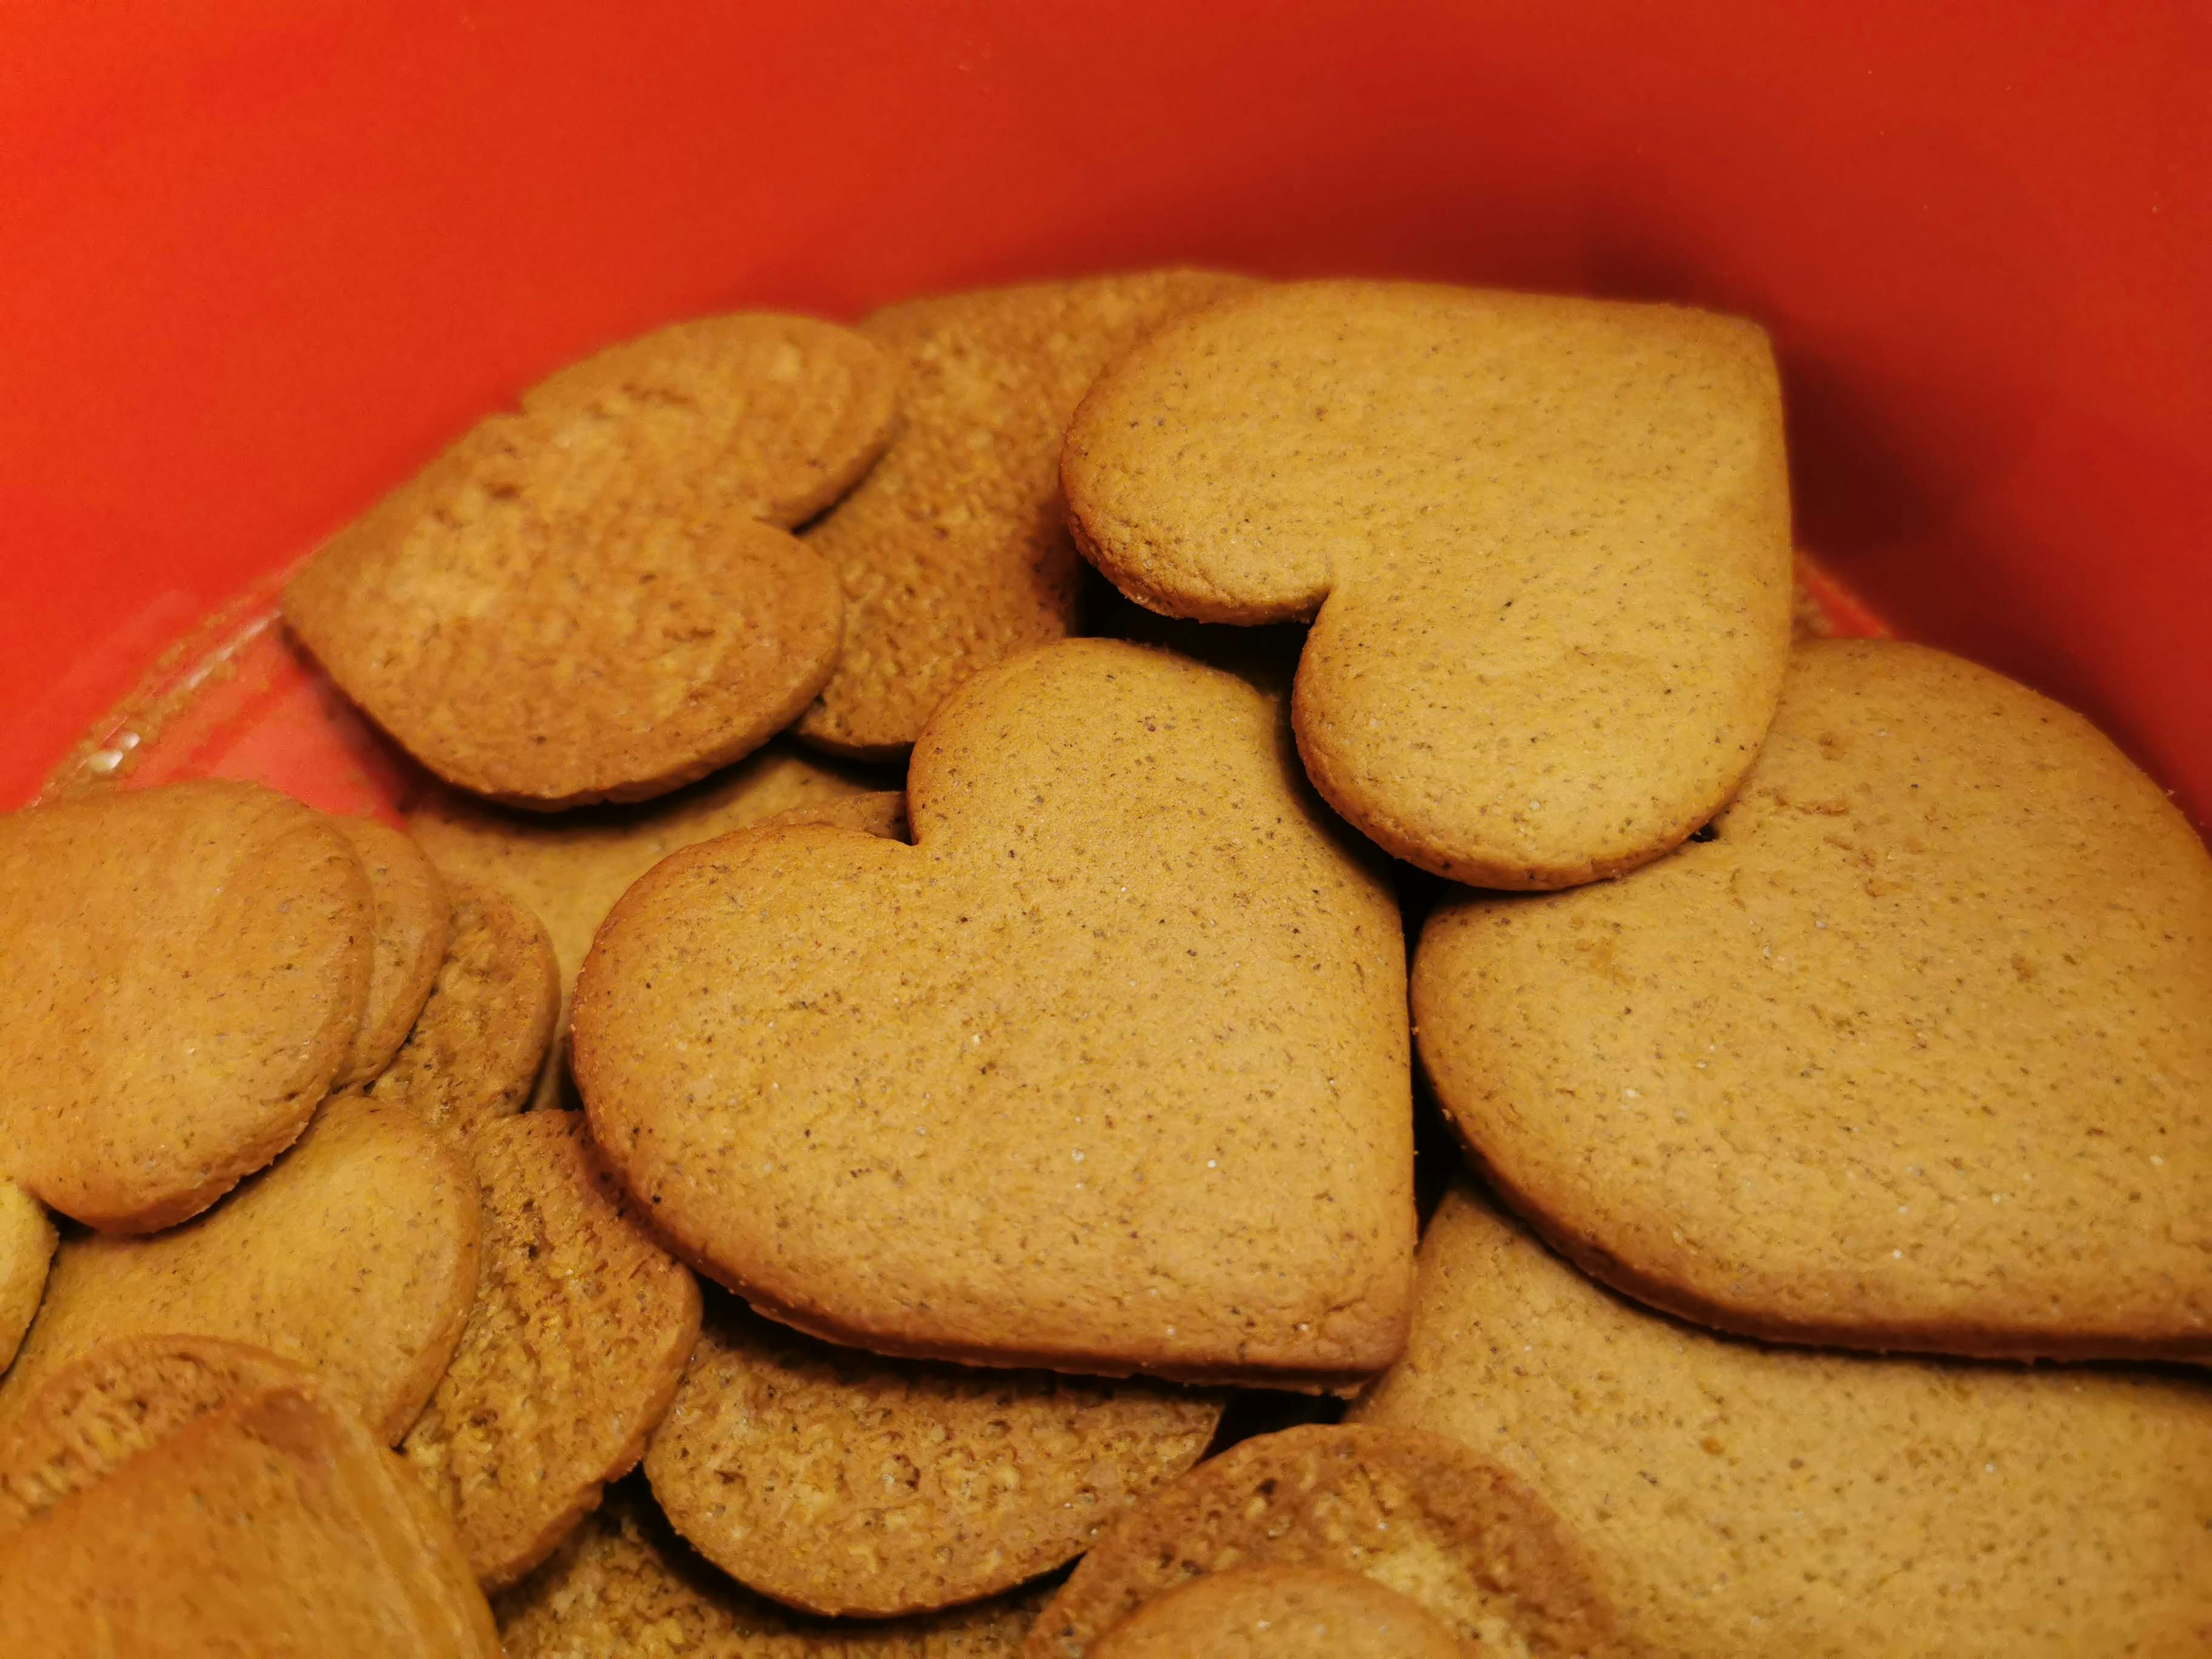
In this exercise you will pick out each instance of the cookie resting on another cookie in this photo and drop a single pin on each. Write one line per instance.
(597, 597)
(413, 918)
(1544, 544)
(1915, 1054)
(1740, 1502)
(1105, 1072)
(1282, 1612)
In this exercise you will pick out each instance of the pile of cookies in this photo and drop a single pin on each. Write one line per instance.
(873, 1109)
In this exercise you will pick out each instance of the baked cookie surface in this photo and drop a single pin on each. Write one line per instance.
(354, 1254)
(187, 965)
(579, 1335)
(1915, 1054)
(625, 1587)
(954, 551)
(597, 597)
(412, 918)
(27, 1250)
(1776, 1503)
(1035, 1090)
(1282, 1612)
(842, 1483)
(1418, 1513)
(1544, 544)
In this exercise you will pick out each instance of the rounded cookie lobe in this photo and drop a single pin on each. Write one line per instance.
(587, 600)
(625, 1587)
(1743, 1502)
(276, 1516)
(954, 552)
(480, 1040)
(844, 1483)
(1282, 1612)
(355, 1254)
(1544, 544)
(579, 1336)
(187, 966)
(26, 1250)
(1419, 1514)
(1033, 1091)
(412, 918)
(1915, 1053)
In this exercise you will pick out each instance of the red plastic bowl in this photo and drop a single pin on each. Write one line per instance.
(259, 259)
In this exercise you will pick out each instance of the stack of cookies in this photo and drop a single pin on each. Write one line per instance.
(873, 1109)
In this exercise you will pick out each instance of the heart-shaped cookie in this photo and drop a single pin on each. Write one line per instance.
(1544, 544)
(1106, 1071)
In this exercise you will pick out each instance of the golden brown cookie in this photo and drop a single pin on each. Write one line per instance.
(579, 1336)
(842, 1483)
(1770, 1504)
(954, 551)
(413, 917)
(1106, 1072)
(95, 1411)
(1282, 1612)
(186, 967)
(1544, 544)
(625, 1587)
(1416, 1512)
(1915, 1054)
(597, 597)
(355, 1254)
(480, 1042)
(27, 1246)
(568, 870)
(274, 1526)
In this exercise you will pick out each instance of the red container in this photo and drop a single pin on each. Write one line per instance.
(259, 259)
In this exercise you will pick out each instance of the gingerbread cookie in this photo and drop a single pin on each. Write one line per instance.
(1035, 1090)
(186, 965)
(355, 1254)
(27, 1246)
(413, 918)
(1282, 1612)
(842, 1483)
(1416, 1512)
(579, 1336)
(954, 551)
(480, 1042)
(1771, 1503)
(623, 1587)
(597, 597)
(274, 1526)
(1544, 544)
(1916, 1053)
(568, 870)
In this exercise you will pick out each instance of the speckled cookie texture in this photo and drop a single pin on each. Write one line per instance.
(623, 1587)
(412, 919)
(480, 1042)
(842, 1483)
(581, 1330)
(1418, 1513)
(1037, 1088)
(27, 1249)
(1776, 1503)
(568, 870)
(186, 967)
(276, 1525)
(597, 597)
(94, 1412)
(954, 551)
(1915, 1054)
(355, 1254)
(1282, 1612)
(1544, 544)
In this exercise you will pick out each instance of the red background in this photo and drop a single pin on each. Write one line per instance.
(259, 258)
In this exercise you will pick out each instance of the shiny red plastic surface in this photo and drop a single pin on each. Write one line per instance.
(260, 258)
